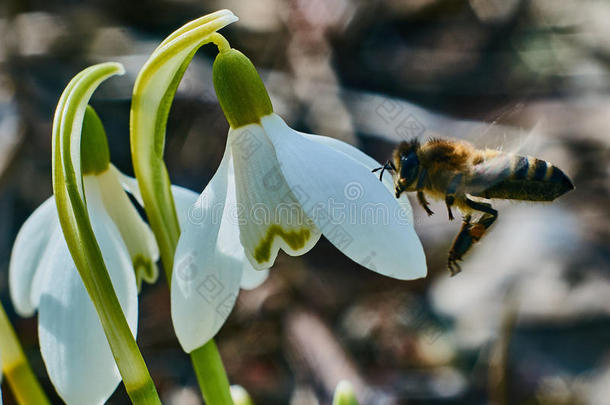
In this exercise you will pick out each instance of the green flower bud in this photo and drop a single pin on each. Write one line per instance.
(344, 394)
(95, 156)
(239, 88)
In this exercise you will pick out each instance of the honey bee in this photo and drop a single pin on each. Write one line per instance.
(467, 178)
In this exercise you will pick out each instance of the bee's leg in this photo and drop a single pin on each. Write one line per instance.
(421, 179)
(489, 217)
(449, 200)
(420, 194)
(470, 233)
(424, 203)
(461, 244)
(450, 193)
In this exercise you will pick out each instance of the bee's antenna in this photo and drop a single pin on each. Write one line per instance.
(387, 166)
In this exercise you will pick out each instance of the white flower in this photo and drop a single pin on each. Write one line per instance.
(42, 276)
(277, 189)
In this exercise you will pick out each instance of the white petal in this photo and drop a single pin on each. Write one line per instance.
(208, 263)
(184, 199)
(38, 284)
(72, 342)
(129, 184)
(252, 278)
(270, 215)
(348, 203)
(135, 233)
(115, 254)
(28, 255)
(187, 211)
(370, 164)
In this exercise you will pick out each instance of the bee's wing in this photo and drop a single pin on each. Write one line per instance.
(494, 171)
(395, 120)
(514, 145)
(510, 139)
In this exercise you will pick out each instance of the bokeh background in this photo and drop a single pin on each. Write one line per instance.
(528, 319)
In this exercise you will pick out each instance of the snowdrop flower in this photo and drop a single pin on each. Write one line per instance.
(153, 94)
(277, 188)
(43, 275)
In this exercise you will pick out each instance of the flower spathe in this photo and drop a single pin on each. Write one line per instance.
(277, 188)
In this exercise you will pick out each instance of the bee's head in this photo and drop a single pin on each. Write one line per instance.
(407, 165)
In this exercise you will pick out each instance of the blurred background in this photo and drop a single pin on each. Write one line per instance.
(528, 319)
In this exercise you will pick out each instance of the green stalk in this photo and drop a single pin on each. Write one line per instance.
(211, 374)
(15, 367)
(153, 95)
(81, 241)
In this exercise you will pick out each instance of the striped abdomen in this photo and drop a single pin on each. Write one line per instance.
(515, 177)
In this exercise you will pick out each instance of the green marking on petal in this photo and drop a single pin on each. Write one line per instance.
(145, 269)
(295, 239)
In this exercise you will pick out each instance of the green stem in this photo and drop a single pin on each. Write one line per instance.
(211, 374)
(221, 42)
(81, 241)
(15, 366)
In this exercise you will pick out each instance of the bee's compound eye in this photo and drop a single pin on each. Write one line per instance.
(409, 167)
